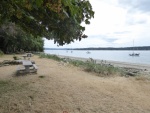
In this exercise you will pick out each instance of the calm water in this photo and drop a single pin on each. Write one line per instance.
(122, 56)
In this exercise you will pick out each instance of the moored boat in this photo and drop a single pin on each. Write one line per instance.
(135, 54)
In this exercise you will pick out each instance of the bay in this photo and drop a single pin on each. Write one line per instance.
(112, 55)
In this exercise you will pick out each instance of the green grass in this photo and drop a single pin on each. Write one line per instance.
(88, 66)
(7, 86)
(54, 57)
(100, 69)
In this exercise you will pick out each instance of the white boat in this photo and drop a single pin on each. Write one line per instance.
(134, 54)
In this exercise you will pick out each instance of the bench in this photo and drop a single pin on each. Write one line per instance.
(27, 56)
(20, 69)
(34, 69)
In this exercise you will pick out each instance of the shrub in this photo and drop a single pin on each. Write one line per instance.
(15, 57)
(76, 62)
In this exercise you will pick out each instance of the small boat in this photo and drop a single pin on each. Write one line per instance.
(88, 52)
(134, 54)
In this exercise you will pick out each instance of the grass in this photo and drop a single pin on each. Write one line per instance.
(100, 69)
(7, 86)
(88, 66)
(143, 78)
(14, 96)
(54, 57)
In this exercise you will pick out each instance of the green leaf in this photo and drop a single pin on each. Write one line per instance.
(39, 3)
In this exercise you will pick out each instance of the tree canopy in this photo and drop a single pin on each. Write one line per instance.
(53, 19)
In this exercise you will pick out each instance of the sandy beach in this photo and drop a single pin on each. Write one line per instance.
(63, 88)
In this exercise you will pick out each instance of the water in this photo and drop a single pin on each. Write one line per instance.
(122, 56)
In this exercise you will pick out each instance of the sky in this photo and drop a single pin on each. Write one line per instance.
(116, 23)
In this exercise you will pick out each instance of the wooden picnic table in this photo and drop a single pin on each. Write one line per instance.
(27, 64)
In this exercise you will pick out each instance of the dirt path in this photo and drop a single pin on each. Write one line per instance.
(62, 88)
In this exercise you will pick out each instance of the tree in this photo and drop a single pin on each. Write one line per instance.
(13, 39)
(54, 19)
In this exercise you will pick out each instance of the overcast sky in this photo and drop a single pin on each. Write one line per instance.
(116, 24)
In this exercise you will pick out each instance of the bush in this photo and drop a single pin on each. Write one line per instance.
(76, 62)
(15, 57)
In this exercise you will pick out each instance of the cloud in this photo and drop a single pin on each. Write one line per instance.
(106, 38)
(122, 32)
(136, 5)
(116, 24)
(133, 21)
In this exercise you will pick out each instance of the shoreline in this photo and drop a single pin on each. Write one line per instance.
(141, 67)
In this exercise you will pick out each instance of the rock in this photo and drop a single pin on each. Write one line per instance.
(135, 71)
(131, 74)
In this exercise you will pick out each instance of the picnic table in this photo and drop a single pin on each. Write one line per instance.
(27, 55)
(27, 67)
(27, 64)
(24, 56)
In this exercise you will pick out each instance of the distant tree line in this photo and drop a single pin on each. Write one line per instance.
(119, 48)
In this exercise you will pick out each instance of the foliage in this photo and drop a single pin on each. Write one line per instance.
(100, 69)
(89, 66)
(13, 39)
(15, 57)
(77, 63)
(54, 19)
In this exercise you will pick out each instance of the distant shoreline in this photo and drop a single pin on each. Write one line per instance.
(137, 48)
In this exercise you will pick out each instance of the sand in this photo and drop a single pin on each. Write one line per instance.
(62, 88)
